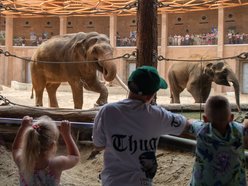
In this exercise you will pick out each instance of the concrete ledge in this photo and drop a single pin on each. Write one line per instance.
(20, 86)
(64, 87)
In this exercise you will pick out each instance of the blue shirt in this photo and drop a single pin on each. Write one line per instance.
(220, 160)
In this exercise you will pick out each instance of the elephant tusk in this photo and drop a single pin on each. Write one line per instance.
(121, 83)
(230, 83)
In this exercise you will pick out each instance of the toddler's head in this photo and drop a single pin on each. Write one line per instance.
(218, 111)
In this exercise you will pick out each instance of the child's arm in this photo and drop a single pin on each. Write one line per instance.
(73, 155)
(192, 127)
(16, 146)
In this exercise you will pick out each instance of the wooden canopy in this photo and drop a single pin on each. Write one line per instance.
(105, 7)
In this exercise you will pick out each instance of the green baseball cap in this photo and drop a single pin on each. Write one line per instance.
(145, 80)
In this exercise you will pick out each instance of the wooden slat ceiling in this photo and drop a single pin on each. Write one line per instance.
(105, 7)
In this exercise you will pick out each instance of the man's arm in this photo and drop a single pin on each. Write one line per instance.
(188, 125)
(192, 127)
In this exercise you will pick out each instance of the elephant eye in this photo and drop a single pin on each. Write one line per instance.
(219, 65)
(224, 71)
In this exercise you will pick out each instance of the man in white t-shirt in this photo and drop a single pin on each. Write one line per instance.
(129, 131)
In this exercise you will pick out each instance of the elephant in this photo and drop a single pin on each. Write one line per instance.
(70, 58)
(197, 78)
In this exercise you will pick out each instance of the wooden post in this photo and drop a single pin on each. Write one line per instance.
(113, 30)
(147, 33)
(163, 66)
(8, 66)
(220, 46)
(62, 25)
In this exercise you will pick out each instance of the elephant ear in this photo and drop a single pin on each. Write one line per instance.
(208, 70)
(218, 65)
(83, 44)
(98, 45)
(101, 49)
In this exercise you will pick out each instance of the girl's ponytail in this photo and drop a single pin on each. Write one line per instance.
(30, 152)
(39, 140)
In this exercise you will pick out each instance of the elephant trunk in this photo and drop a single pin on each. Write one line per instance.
(232, 78)
(109, 70)
(109, 74)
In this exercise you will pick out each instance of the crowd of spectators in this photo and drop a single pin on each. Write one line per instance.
(206, 39)
(236, 38)
(126, 41)
(176, 40)
(34, 40)
(193, 39)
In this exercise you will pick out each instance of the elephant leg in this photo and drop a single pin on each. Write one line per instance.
(175, 95)
(175, 89)
(51, 90)
(96, 86)
(77, 93)
(200, 95)
(196, 96)
(205, 95)
(39, 97)
(39, 89)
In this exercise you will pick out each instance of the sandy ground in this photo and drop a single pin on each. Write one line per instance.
(174, 169)
(175, 166)
(20, 93)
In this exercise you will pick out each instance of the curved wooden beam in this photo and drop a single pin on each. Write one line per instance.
(105, 7)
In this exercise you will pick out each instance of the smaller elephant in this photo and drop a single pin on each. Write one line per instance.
(68, 58)
(197, 78)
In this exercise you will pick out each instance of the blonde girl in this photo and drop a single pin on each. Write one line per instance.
(34, 150)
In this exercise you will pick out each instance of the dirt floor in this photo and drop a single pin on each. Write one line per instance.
(175, 166)
(174, 169)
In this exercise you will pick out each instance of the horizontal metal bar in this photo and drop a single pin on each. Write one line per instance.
(187, 141)
(17, 121)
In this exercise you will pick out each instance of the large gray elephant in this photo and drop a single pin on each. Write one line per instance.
(197, 78)
(65, 59)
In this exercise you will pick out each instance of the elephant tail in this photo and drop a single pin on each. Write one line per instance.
(32, 93)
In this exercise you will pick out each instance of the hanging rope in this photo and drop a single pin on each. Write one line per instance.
(242, 56)
(201, 82)
(133, 55)
(125, 56)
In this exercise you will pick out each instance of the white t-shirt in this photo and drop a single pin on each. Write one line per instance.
(130, 130)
